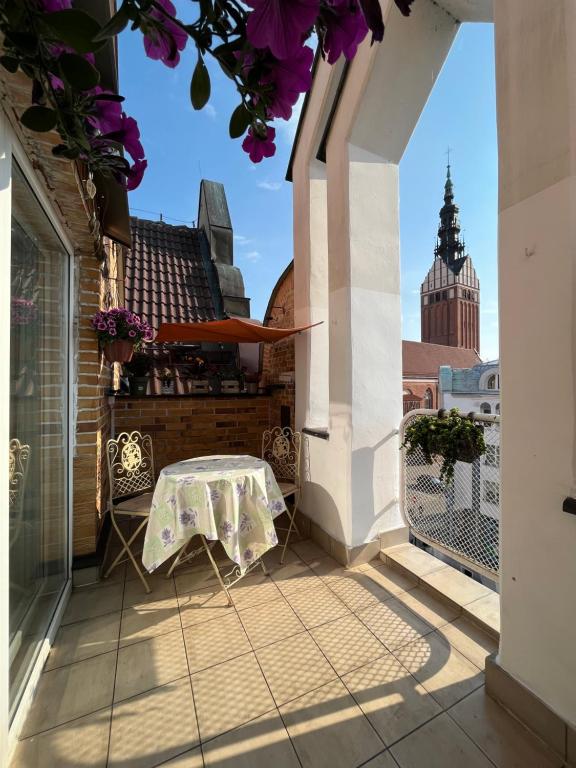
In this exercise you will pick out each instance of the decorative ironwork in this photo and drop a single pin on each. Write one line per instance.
(281, 449)
(461, 518)
(18, 462)
(130, 464)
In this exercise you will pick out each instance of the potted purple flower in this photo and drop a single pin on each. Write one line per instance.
(120, 333)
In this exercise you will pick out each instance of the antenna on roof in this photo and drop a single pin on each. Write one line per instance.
(161, 219)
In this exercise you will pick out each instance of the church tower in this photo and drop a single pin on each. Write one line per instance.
(450, 294)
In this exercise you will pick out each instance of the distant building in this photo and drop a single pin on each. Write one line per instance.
(450, 294)
(471, 389)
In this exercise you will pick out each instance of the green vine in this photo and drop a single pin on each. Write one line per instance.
(451, 437)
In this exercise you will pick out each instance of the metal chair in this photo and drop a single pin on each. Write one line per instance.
(281, 449)
(19, 455)
(131, 477)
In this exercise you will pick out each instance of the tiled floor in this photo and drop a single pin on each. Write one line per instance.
(313, 667)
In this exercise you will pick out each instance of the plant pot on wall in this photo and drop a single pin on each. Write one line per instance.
(119, 351)
(138, 385)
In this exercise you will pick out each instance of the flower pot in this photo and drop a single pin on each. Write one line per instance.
(467, 452)
(138, 385)
(119, 351)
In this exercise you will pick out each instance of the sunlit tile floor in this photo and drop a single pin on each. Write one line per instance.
(313, 666)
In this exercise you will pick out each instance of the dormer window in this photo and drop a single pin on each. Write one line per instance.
(491, 382)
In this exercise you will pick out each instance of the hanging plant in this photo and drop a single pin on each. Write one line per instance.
(120, 333)
(449, 436)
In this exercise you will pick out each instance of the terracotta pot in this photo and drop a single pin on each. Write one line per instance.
(119, 351)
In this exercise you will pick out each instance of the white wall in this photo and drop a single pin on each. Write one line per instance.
(536, 90)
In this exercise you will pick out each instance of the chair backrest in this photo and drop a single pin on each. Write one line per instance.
(281, 449)
(19, 455)
(130, 464)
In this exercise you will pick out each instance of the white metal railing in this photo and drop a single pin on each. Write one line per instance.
(460, 519)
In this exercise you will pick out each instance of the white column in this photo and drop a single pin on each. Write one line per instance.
(536, 89)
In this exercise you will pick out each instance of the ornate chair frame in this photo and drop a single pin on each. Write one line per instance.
(19, 455)
(130, 460)
(281, 448)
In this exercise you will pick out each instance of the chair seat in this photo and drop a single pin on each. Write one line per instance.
(139, 505)
(288, 488)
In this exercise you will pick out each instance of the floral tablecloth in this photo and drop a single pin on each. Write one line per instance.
(231, 498)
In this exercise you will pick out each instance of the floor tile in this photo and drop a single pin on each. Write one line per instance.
(143, 622)
(190, 759)
(317, 606)
(415, 560)
(149, 664)
(273, 556)
(82, 742)
(457, 587)
(502, 738)
(293, 667)
(229, 695)
(427, 607)
(327, 568)
(383, 760)
(254, 590)
(487, 610)
(135, 594)
(215, 641)
(441, 669)
(439, 744)
(470, 640)
(358, 591)
(393, 700)
(270, 622)
(347, 643)
(73, 691)
(193, 578)
(393, 623)
(392, 580)
(308, 550)
(261, 743)
(89, 602)
(203, 605)
(153, 727)
(328, 729)
(84, 639)
(295, 577)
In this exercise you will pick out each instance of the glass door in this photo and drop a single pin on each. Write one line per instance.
(38, 449)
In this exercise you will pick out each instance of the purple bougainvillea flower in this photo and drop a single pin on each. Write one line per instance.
(373, 15)
(108, 118)
(129, 136)
(280, 24)
(51, 6)
(258, 146)
(403, 5)
(135, 176)
(165, 42)
(291, 77)
(345, 28)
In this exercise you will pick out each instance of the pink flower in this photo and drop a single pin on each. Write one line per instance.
(344, 29)
(373, 15)
(108, 118)
(136, 174)
(51, 6)
(258, 146)
(291, 77)
(280, 24)
(164, 41)
(130, 137)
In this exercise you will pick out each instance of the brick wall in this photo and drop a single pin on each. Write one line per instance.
(419, 388)
(278, 363)
(184, 427)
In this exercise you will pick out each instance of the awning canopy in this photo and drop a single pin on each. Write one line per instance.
(231, 331)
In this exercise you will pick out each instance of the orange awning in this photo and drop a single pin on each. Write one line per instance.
(231, 331)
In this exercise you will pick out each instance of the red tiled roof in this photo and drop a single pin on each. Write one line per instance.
(167, 276)
(421, 359)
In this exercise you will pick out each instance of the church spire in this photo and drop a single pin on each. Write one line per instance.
(449, 247)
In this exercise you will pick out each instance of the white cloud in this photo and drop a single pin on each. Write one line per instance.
(272, 186)
(252, 256)
(241, 240)
(210, 111)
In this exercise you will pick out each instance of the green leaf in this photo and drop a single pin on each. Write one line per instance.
(200, 85)
(239, 121)
(9, 63)
(39, 119)
(61, 150)
(116, 24)
(78, 72)
(75, 28)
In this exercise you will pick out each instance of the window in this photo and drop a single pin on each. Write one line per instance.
(428, 399)
(492, 492)
(497, 409)
(491, 383)
(485, 408)
(492, 456)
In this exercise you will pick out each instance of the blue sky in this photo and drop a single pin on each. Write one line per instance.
(183, 146)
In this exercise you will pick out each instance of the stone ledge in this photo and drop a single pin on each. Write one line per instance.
(471, 599)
